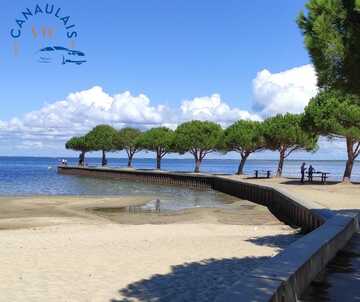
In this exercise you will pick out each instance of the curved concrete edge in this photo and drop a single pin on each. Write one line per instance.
(312, 206)
(287, 275)
(288, 209)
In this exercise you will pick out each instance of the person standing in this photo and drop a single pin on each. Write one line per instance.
(303, 170)
(311, 172)
(157, 205)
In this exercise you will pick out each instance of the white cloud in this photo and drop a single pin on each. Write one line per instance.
(31, 145)
(44, 131)
(214, 109)
(80, 111)
(287, 91)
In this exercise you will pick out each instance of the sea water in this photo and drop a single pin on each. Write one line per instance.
(38, 175)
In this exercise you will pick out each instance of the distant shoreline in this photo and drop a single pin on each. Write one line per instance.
(171, 158)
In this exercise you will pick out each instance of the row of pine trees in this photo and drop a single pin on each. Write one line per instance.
(282, 133)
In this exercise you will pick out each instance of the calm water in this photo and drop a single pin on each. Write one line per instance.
(338, 282)
(38, 176)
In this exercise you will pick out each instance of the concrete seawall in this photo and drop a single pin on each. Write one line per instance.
(288, 274)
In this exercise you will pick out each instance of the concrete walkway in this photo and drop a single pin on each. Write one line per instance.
(334, 196)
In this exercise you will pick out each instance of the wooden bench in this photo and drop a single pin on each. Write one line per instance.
(323, 176)
(262, 173)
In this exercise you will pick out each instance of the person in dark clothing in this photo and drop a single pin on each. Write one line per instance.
(81, 159)
(311, 171)
(303, 170)
(157, 205)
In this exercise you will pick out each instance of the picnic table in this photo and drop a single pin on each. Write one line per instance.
(322, 175)
(264, 173)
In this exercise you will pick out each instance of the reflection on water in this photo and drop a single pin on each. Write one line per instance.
(199, 199)
(340, 281)
(167, 204)
(150, 207)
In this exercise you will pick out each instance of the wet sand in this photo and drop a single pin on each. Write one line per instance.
(91, 249)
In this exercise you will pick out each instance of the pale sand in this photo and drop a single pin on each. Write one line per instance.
(53, 249)
(334, 196)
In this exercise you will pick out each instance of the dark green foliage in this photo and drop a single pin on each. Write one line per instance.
(101, 138)
(79, 143)
(159, 140)
(336, 114)
(331, 30)
(244, 137)
(198, 138)
(284, 133)
(128, 139)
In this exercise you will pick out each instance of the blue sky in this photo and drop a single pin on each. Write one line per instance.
(169, 51)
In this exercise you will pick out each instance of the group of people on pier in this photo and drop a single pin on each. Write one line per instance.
(303, 169)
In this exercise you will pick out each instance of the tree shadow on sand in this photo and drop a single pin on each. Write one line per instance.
(316, 182)
(278, 241)
(200, 281)
(196, 281)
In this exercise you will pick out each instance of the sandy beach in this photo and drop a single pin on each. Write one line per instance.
(61, 249)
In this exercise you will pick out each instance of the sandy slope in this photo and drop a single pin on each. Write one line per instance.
(55, 250)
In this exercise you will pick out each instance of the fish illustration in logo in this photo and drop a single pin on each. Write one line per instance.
(61, 54)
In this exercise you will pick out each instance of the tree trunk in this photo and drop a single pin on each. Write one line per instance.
(242, 164)
(281, 163)
(130, 158)
(158, 161)
(350, 160)
(197, 165)
(103, 160)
